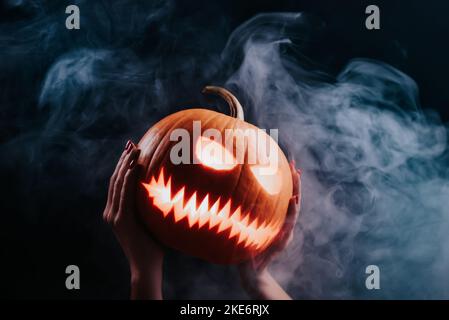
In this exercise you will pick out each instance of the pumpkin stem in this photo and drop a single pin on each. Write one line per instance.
(234, 104)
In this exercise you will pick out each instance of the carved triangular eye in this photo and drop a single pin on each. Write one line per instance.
(213, 155)
(268, 177)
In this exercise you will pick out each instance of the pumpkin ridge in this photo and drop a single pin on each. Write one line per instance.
(159, 144)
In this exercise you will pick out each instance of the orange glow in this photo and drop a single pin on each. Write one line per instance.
(256, 234)
(213, 155)
(272, 183)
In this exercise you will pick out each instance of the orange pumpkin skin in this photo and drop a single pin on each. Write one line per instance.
(217, 239)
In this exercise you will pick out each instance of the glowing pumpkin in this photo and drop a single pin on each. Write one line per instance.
(221, 211)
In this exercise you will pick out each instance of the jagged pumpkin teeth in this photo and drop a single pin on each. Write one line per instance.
(203, 212)
(242, 236)
(160, 193)
(224, 212)
(236, 216)
(245, 220)
(235, 230)
(213, 219)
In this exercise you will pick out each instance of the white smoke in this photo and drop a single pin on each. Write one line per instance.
(374, 169)
(374, 164)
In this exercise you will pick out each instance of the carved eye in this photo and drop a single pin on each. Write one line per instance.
(269, 178)
(213, 155)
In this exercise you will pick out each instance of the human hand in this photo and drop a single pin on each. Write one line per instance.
(254, 276)
(144, 255)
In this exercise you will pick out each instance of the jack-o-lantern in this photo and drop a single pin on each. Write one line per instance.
(212, 207)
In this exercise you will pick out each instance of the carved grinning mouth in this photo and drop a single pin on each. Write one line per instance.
(201, 215)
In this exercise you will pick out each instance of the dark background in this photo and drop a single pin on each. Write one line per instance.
(53, 186)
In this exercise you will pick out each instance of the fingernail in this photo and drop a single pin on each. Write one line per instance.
(130, 147)
(127, 144)
(296, 198)
(299, 171)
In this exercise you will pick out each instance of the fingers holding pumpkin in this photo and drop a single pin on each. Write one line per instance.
(290, 222)
(128, 190)
(285, 235)
(294, 204)
(131, 157)
(112, 181)
(296, 179)
(118, 166)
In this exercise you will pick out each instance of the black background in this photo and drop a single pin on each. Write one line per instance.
(47, 224)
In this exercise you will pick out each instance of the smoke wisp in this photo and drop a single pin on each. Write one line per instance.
(374, 163)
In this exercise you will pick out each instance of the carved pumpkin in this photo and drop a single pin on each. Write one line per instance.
(221, 211)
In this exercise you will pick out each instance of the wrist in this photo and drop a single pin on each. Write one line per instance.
(146, 280)
(141, 264)
(142, 270)
(262, 286)
(254, 282)
(143, 288)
